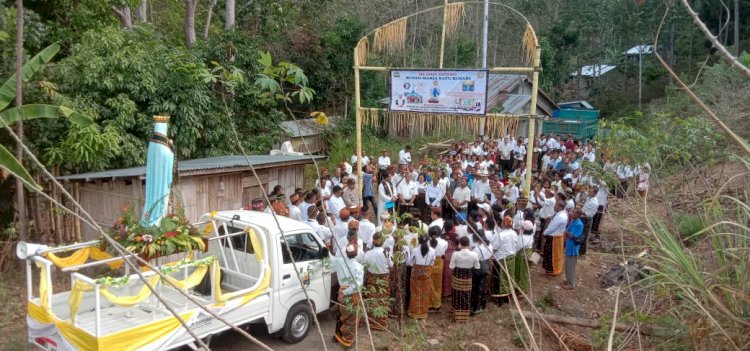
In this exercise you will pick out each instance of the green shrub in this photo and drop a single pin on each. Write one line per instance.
(689, 224)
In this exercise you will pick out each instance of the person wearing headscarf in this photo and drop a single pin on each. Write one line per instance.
(504, 246)
(438, 244)
(351, 277)
(377, 281)
(462, 263)
(422, 261)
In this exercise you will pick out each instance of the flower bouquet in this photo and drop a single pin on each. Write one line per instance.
(173, 234)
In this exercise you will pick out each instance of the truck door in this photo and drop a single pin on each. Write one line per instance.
(308, 253)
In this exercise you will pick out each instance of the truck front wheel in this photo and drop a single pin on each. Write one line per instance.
(297, 324)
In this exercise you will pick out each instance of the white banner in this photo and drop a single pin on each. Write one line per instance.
(448, 92)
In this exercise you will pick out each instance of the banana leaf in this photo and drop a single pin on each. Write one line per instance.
(10, 163)
(8, 90)
(34, 111)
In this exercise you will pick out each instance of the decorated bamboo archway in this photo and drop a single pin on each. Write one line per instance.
(391, 38)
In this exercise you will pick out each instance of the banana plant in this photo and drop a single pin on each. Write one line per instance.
(9, 116)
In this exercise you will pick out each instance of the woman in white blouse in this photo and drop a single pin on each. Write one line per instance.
(463, 263)
(438, 244)
(479, 284)
(504, 245)
(422, 260)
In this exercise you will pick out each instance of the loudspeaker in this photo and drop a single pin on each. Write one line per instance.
(24, 249)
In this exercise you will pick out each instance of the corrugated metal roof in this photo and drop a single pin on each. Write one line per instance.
(642, 49)
(201, 164)
(514, 103)
(594, 70)
(306, 127)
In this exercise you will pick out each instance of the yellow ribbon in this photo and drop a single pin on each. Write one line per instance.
(81, 256)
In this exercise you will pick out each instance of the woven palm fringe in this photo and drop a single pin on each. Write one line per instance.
(530, 43)
(362, 47)
(415, 125)
(391, 37)
(570, 339)
(453, 14)
(498, 126)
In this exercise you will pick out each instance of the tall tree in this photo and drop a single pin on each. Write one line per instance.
(229, 15)
(211, 4)
(140, 12)
(20, 198)
(189, 24)
(123, 14)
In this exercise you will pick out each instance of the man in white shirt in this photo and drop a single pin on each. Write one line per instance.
(545, 215)
(336, 202)
(404, 156)
(589, 154)
(433, 195)
(376, 260)
(342, 225)
(437, 220)
(365, 158)
(602, 197)
(480, 190)
(624, 174)
(384, 161)
(366, 228)
(461, 197)
(589, 211)
(407, 192)
(505, 152)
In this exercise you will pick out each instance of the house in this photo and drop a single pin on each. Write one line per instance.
(640, 49)
(309, 130)
(413, 98)
(207, 184)
(511, 94)
(588, 76)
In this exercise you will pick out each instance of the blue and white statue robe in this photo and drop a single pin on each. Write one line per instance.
(159, 173)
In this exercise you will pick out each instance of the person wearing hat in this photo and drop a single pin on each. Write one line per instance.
(351, 275)
(341, 228)
(352, 237)
(480, 190)
(377, 280)
(294, 210)
(351, 195)
(256, 205)
(336, 201)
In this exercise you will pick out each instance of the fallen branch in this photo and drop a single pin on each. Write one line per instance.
(591, 323)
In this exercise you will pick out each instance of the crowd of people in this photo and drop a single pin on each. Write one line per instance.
(461, 229)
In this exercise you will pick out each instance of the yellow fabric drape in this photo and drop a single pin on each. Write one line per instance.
(169, 264)
(43, 287)
(82, 255)
(76, 295)
(221, 298)
(192, 280)
(256, 245)
(125, 340)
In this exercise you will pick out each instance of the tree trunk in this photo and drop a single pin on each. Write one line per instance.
(22, 228)
(211, 4)
(229, 15)
(189, 25)
(140, 12)
(123, 14)
(738, 50)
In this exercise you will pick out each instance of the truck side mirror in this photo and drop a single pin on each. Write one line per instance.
(324, 252)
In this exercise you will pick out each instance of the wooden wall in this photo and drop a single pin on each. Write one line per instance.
(105, 200)
(316, 143)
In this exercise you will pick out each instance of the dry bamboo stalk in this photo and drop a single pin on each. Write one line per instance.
(530, 43)
(454, 13)
(391, 37)
(362, 47)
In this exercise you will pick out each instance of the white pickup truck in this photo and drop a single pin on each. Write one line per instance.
(251, 280)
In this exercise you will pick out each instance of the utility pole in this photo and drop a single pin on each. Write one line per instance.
(485, 30)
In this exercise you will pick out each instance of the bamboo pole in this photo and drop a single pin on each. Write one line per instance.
(532, 111)
(358, 118)
(442, 36)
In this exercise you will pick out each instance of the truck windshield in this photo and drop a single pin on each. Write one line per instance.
(303, 246)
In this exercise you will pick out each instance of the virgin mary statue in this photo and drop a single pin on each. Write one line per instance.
(159, 173)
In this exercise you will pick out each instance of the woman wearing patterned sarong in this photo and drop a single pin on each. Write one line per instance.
(422, 260)
(554, 239)
(439, 245)
(481, 283)
(504, 246)
(351, 275)
(377, 282)
(462, 263)
(525, 242)
(450, 236)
